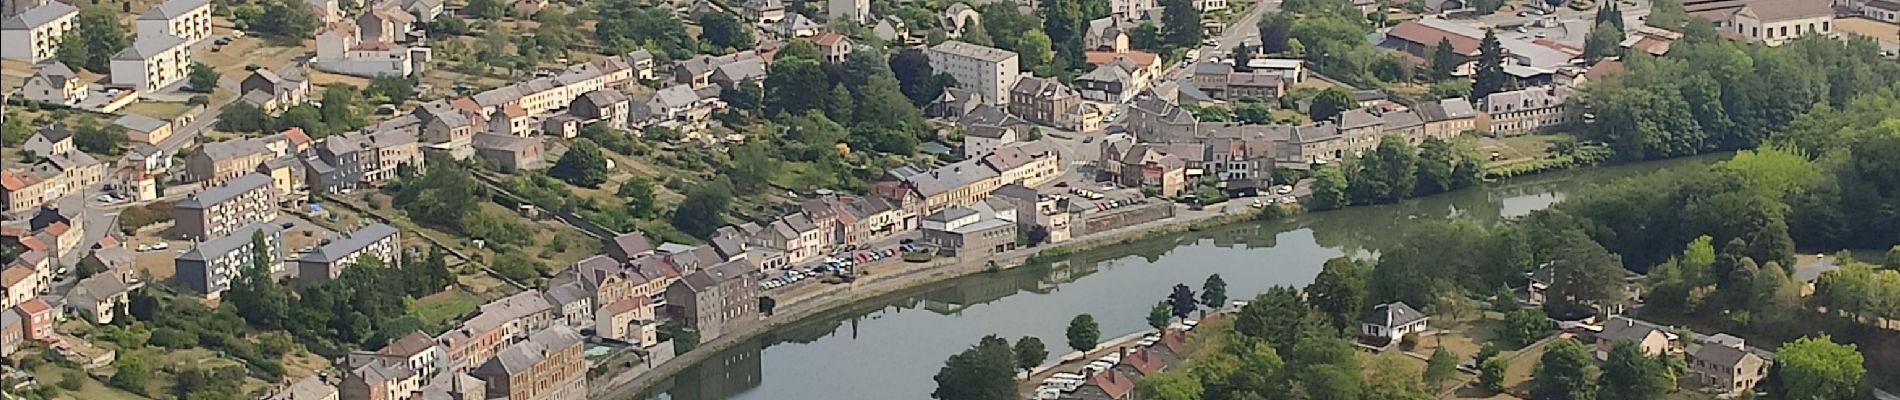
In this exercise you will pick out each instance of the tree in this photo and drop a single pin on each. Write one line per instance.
(1330, 103)
(1441, 367)
(986, 371)
(752, 167)
(583, 165)
(339, 109)
(96, 36)
(639, 194)
(1630, 374)
(1214, 292)
(1444, 60)
(486, 9)
(1274, 29)
(704, 209)
(918, 82)
(1030, 353)
(392, 89)
(1818, 368)
(258, 298)
(1524, 326)
(1062, 21)
(1490, 77)
(1339, 291)
(202, 78)
(1083, 334)
(1326, 368)
(287, 20)
(1035, 49)
(724, 32)
(93, 138)
(1563, 373)
(1181, 301)
(1146, 36)
(1277, 316)
(132, 375)
(1329, 188)
(1604, 41)
(1386, 175)
(1160, 314)
(1170, 386)
(1180, 23)
(1491, 373)
(1436, 164)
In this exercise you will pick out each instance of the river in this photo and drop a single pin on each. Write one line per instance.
(888, 348)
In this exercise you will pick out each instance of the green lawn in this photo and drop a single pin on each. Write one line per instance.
(444, 309)
(53, 374)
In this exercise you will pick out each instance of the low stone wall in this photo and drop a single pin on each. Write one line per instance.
(1125, 217)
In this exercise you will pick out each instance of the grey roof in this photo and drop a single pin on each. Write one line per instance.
(950, 177)
(348, 244)
(1527, 99)
(1721, 355)
(1358, 118)
(951, 214)
(1107, 73)
(522, 356)
(100, 286)
(113, 256)
(713, 276)
(604, 97)
(70, 160)
(148, 47)
(1399, 120)
(639, 55)
(139, 123)
(310, 388)
(1393, 315)
(1620, 328)
(37, 16)
(173, 9)
(631, 243)
(1447, 109)
(225, 244)
(979, 52)
(676, 96)
(234, 148)
(568, 293)
(54, 132)
(986, 131)
(55, 72)
(220, 193)
(1212, 68)
(739, 71)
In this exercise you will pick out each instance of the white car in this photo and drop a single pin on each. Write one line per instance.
(161, 246)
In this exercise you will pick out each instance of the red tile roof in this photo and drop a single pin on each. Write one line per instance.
(34, 306)
(14, 275)
(827, 39)
(1144, 59)
(1423, 35)
(1113, 383)
(58, 228)
(1603, 68)
(1174, 340)
(1144, 361)
(15, 181)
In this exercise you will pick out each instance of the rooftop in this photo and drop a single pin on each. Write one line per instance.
(352, 243)
(979, 52)
(231, 189)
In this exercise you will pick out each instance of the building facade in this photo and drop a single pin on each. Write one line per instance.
(989, 72)
(220, 210)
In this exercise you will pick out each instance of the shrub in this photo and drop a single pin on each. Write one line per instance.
(1409, 341)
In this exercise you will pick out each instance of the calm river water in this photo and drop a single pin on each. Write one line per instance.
(889, 348)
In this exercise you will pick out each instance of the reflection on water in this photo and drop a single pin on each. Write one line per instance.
(889, 348)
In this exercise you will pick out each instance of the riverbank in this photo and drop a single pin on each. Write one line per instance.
(879, 285)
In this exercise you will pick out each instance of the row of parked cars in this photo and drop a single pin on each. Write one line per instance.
(1119, 203)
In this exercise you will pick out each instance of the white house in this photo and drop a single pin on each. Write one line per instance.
(54, 83)
(152, 63)
(186, 19)
(1392, 321)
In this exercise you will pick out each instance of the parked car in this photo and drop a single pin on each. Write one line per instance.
(161, 246)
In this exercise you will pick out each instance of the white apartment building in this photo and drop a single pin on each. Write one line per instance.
(1210, 5)
(186, 19)
(34, 34)
(987, 71)
(152, 63)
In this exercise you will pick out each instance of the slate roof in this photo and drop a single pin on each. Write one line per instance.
(140, 123)
(1624, 329)
(101, 286)
(55, 72)
(173, 9)
(220, 193)
(710, 277)
(1393, 315)
(38, 16)
(951, 214)
(979, 52)
(225, 244)
(631, 243)
(1725, 356)
(147, 47)
(522, 356)
(351, 243)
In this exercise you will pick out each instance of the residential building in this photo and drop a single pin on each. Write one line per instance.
(1254, 85)
(1447, 118)
(1104, 385)
(606, 106)
(1419, 37)
(449, 129)
(12, 331)
(959, 184)
(891, 29)
(697, 72)
(495, 325)
(27, 189)
(1115, 82)
(1037, 212)
(222, 209)
(630, 320)
(54, 82)
(856, 11)
(1029, 164)
(764, 11)
(415, 352)
(1728, 368)
(113, 259)
(308, 388)
(1881, 10)
(217, 162)
(185, 19)
(39, 318)
(375, 241)
(986, 71)
(210, 267)
(834, 47)
(101, 298)
(1148, 165)
(19, 283)
(1654, 340)
(957, 18)
(1774, 22)
(641, 61)
(379, 381)
(1393, 321)
(509, 153)
(77, 168)
(980, 230)
(49, 140)
(1041, 100)
(385, 25)
(547, 366)
(1532, 109)
(1207, 6)
(982, 139)
(272, 92)
(34, 34)
(144, 130)
(749, 71)
(152, 62)
(715, 298)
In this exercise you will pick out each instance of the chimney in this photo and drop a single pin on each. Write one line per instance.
(1122, 353)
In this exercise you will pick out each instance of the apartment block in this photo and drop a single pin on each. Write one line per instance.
(186, 19)
(210, 267)
(220, 210)
(547, 366)
(988, 71)
(711, 299)
(152, 62)
(34, 34)
(376, 241)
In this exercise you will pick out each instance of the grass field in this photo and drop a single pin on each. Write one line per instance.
(444, 309)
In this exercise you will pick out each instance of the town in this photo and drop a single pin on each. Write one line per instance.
(533, 199)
